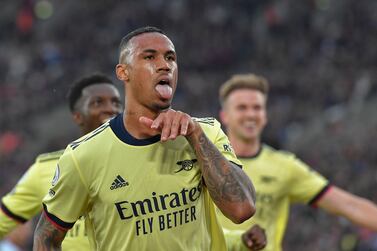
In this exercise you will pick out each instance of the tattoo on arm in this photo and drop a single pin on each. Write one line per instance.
(47, 237)
(225, 182)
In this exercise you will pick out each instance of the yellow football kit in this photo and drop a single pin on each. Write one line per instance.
(25, 202)
(137, 194)
(279, 179)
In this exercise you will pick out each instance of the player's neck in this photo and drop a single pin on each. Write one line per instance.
(245, 148)
(84, 131)
(131, 121)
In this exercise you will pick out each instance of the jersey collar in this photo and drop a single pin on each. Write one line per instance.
(254, 155)
(120, 131)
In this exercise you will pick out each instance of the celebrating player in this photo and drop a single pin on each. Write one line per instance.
(92, 100)
(147, 179)
(279, 177)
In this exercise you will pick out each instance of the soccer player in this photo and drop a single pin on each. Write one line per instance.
(92, 100)
(279, 177)
(147, 179)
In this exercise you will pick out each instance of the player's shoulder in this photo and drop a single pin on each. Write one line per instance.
(91, 138)
(206, 121)
(209, 125)
(285, 159)
(49, 156)
(278, 154)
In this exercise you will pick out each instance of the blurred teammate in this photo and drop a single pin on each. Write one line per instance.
(92, 101)
(147, 179)
(279, 177)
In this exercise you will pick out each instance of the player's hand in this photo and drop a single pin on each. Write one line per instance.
(255, 238)
(171, 124)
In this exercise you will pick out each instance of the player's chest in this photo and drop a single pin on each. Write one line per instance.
(151, 193)
(140, 175)
(271, 182)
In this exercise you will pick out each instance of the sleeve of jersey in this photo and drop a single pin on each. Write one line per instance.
(23, 202)
(307, 185)
(67, 198)
(222, 143)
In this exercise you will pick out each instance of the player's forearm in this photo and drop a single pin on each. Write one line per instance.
(358, 210)
(7, 224)
(228, 185)
(22, 234)
(363, 213)
(47, 237)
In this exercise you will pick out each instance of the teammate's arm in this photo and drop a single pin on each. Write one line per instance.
(7, 224)
(23, 203)
(228, 185)
(65, 202)
(358, 210)
(21, 235)
(47, 236)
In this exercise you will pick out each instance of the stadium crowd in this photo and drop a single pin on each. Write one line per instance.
(319, 56)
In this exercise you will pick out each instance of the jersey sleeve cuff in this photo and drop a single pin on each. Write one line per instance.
(11, 215)
(58, 223)
(313, 202)
(240, 166)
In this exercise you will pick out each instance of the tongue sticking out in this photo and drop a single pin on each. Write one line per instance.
(165, 91)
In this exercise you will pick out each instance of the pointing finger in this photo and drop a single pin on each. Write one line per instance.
(157, 123)
(176, 124)
(184, 126)
(146, 121)
(166, 126)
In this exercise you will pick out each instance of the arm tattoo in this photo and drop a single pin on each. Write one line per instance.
(225, 182)
(47, 237)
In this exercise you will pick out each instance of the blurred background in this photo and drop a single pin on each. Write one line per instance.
(320, 57)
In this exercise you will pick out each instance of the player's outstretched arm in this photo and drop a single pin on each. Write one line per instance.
(24, 202)
(47, 237)
(359, 211)
(228, 185)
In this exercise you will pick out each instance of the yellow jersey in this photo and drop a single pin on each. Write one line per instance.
(279, 179)
(25, 202)
(137, 194)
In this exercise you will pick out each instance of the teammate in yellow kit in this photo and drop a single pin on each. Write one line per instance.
(92, 100)
(147, 179)
(279, 177)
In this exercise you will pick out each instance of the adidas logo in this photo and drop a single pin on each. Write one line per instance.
(118, 183)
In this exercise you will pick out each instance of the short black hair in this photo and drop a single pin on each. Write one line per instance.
(75, 90)
(134, 33)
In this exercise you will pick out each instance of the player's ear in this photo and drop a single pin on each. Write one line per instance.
(78, 118)
(122, 72)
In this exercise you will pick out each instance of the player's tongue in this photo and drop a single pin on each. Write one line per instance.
(164, 90)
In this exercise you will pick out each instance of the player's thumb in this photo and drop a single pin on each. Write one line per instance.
(249, 243)
(146, 121)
